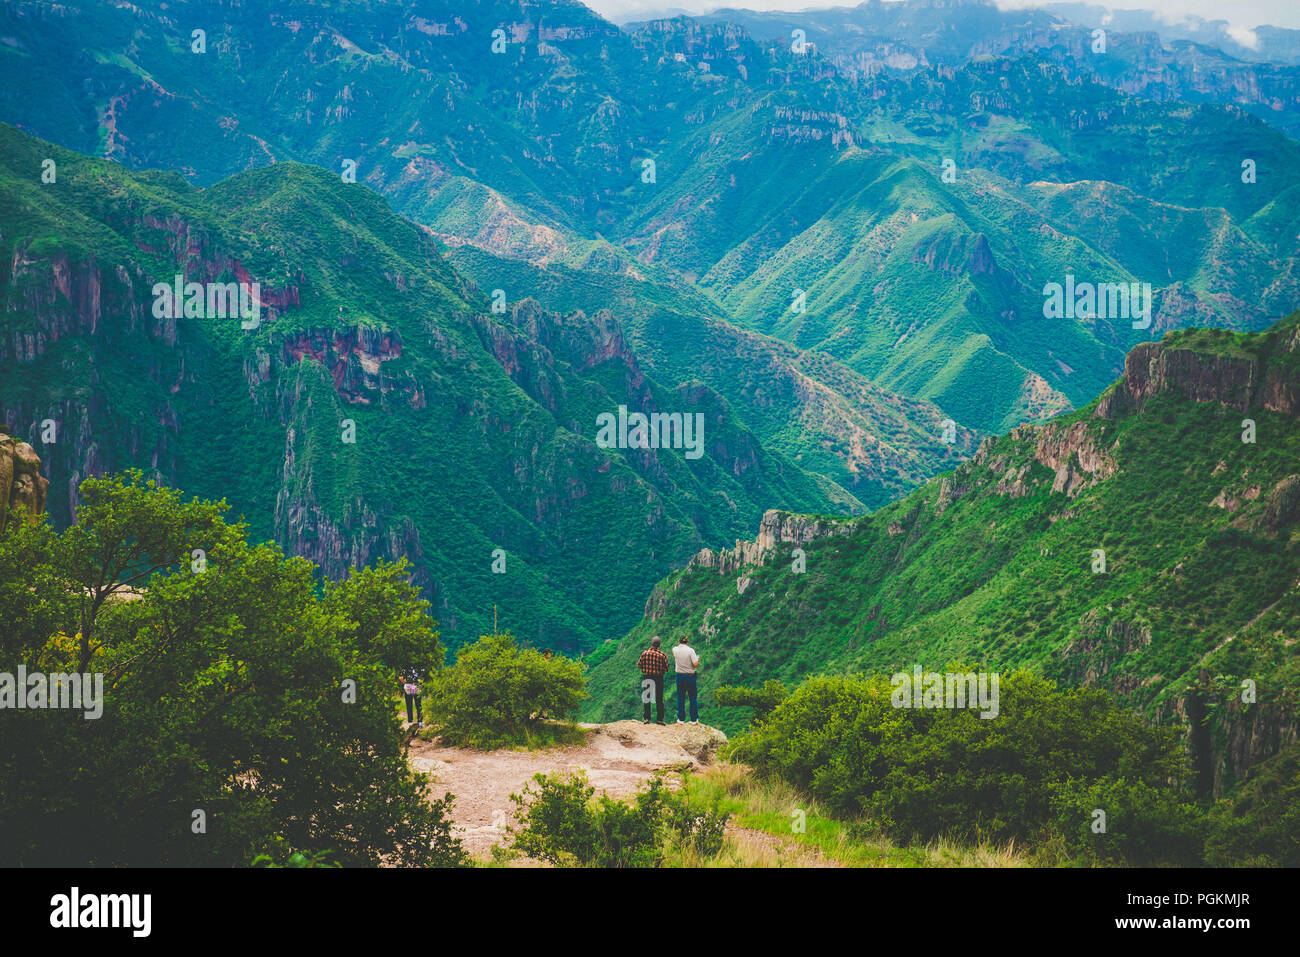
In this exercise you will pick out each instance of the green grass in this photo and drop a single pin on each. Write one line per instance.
(768, 806)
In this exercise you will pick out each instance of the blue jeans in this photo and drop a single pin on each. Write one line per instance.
(413, 699)
(686, 686)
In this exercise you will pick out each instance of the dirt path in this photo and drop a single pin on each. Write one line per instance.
(762, 849)
(618, 758)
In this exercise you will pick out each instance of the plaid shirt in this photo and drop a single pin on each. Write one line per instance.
(652, 662)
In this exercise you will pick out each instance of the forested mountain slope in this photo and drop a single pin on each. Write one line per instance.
(1147, 544)
(376, 407)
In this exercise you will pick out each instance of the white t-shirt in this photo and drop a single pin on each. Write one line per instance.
(686, 659)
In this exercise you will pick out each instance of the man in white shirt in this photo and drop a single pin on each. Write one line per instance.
(687, 662)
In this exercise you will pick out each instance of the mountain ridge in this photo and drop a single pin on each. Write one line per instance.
(364, 326)
(1145, 544)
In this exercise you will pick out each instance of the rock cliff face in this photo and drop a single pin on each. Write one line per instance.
(956, 254)
(22, 487)
(1224, 745)
(776, 528)
(1210, 366)
(355, 359)
(68, 296)
(1072, 454)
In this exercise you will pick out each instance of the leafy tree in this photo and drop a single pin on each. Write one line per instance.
(763, 700)
(498, 693)
(127, 531)
(386, 618)
(229, 728)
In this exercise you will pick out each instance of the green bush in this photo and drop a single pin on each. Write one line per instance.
(926, 773)
(1260, 827)
(498, 694)
(701, 829)
(556, 823)
(1145, 825)
(763, 700)
(561, 824)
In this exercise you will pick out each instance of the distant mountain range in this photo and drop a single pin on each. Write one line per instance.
(836, 253)
(774, 171)
(1191, 60)
(377, 407)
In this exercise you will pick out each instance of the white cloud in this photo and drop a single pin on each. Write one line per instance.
(1247, 38)
(1242, 15)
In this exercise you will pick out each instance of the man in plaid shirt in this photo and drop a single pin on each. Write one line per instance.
(653, 663)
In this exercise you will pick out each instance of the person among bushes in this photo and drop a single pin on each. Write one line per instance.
(411, 690)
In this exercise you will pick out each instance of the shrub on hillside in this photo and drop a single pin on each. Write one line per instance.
(700, 829)
(1260, 826)
(558, 822)
(922, 773)
(498, 694)
(1143, 824)
(763, 700)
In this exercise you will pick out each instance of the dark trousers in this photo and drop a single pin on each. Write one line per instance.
(658, 682)
(686, 686)
(416, 699)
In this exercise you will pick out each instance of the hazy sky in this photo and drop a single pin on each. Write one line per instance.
(1240, 13)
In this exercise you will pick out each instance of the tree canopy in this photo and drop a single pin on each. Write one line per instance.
(247, 710)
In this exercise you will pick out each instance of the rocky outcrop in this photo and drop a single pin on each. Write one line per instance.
(1217, 372)
(699, 741)
(1282, 507)
(355, 360)
(1101, 644)
(1250, 735)
(956, 254)
(1073, 456)
(1226, 740)
(776, 528)
(22, 486)
(66, 296)
(1071, 452)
